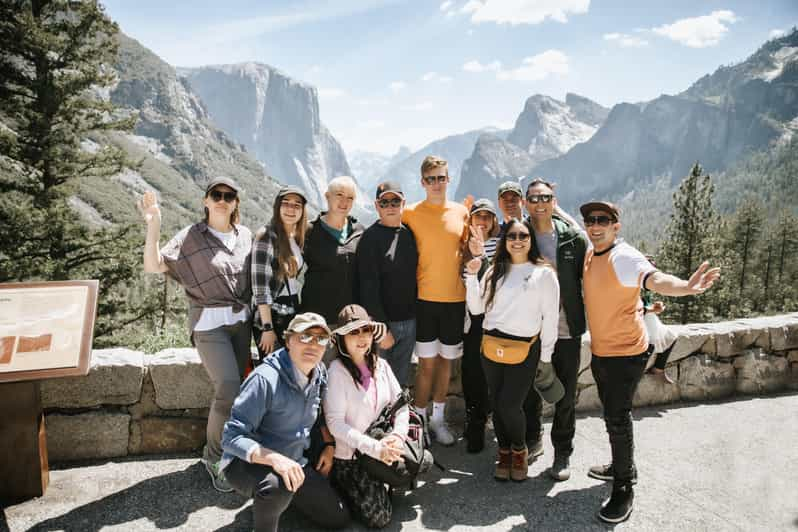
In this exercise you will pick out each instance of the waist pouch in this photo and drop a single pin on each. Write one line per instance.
(506, 350)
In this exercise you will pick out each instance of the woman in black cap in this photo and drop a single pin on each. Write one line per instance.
(276, 264)
(361, 384)
(211, 260)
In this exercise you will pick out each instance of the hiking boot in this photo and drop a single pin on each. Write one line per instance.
(440, 431)
(503, 465)
(605, 472)
(560, 468)
(519, 466)
(618, 507)
(475, 436)
(535, 450)
(217, 476)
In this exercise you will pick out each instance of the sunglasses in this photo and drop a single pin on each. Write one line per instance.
(603, 221)
(321, 340)
(523, 237)
(218, 195)
(366, 329)
(432, 179)
(538, 198)
(292, 205)
(393, 202)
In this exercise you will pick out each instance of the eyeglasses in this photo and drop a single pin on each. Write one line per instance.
(366, 329)
(537, 198)
(603, 221)
(321, 340)
(218, 195)
(523, 237)
(432, 179)
(291, 205)
(393, 202)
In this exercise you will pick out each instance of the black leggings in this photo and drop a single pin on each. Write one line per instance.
(508, 385)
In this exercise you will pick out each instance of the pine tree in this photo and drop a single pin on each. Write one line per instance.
(57, 60)
(744, 232)
(692, 226)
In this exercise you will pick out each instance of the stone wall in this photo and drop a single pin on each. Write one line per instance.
(133, 403)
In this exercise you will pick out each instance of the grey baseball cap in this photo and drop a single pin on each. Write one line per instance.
(222, 180)
(510, 186)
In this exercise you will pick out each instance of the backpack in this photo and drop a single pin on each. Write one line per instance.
(417, 457)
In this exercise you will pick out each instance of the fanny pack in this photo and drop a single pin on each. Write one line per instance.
(506, 350)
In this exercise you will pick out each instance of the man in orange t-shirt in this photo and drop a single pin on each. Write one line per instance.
(440, 228)
(614, 273)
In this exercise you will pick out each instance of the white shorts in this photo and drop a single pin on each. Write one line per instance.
(435, 348)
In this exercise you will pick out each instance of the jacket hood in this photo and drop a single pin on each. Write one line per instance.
(564, 231)
(281, 362)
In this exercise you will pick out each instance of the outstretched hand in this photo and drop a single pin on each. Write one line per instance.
(149, 209)
(702, 279)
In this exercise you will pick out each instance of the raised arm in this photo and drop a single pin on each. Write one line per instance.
(151, 212)
(670, 285)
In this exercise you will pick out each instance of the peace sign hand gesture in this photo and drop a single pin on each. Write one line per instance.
(702, 279)
(476, 244)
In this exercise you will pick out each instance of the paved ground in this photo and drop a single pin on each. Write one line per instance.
(723, 466)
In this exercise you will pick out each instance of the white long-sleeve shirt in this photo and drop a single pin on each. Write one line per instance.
(527, 302)
(349, 409)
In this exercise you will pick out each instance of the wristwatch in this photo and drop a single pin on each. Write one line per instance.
(266, 327)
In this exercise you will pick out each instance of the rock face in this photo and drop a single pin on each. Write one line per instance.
(276, 118)
(493, 161)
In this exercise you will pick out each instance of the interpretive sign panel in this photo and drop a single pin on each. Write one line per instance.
(46, 329)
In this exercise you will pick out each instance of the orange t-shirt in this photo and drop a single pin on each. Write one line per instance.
(612, 282)
(440, 231)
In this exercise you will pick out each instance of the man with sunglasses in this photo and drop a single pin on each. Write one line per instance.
(441, 230)
(387, 259)
(614, 273)
(564, 246)
(268, 432)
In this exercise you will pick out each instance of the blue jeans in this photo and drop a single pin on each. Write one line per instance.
(398, 356)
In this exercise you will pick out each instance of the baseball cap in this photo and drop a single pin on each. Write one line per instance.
(222, 180)
(483, 204)
(307, 320)
(604, 206)
(547, 384)
(390, 186)
(510, 186)
(291, 189)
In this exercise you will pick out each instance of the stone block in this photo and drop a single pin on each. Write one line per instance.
(587, 400)
(691, 339)
(701, 377)
(90, 435)
(792, 356)
(734, 337)
(654, 390)
(784, 332)
(114, 378)
(585, 354)
(146, 405)
(179, 379)
(759, 372)
(792, 381)
(585, 378)
(159, 435)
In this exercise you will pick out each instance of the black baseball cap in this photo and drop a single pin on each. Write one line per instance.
(390, 186)
(603, 206)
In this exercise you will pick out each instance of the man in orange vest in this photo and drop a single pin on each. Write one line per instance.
(613, 276)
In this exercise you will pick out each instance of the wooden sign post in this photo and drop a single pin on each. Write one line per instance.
(45, 332)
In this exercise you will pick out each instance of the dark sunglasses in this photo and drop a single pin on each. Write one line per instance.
(393, 202)
(523, 237)
(603, 221)
(366, 329)
(537, 198)
(218, 195)
(432, 179)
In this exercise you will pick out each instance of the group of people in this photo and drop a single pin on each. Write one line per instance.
(336, 311)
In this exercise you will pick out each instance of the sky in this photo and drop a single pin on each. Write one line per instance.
(391, 73)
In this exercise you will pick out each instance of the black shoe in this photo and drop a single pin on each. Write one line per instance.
(561, 468)
(475, 437)
(535, 449)
(604, 472)
(619, 506)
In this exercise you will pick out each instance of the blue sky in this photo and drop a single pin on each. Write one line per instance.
(392, 73)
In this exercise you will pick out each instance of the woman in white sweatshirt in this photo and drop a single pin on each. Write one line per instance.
(519, 295)
(360, 385)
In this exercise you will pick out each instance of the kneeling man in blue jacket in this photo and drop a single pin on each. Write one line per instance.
(268, 432)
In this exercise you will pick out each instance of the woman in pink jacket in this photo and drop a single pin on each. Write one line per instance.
(360, 385)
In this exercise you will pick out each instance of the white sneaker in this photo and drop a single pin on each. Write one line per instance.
(440, 431)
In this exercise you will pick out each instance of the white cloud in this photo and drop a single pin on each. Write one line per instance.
(331, 93)
(371, 124)
(626, 40)
(516, 12)
(421, 106)
(397, 86)
(699, 32)
(775, 34)
(447, 5)
(476, 66)
(434, 76)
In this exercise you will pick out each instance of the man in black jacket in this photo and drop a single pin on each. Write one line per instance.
(564, 247)
(387, 258)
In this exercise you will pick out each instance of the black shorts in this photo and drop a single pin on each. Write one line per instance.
(442, 322)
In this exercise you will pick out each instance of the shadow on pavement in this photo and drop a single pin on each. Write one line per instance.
(166, 501)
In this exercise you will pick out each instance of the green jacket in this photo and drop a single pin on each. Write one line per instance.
(571, 249)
